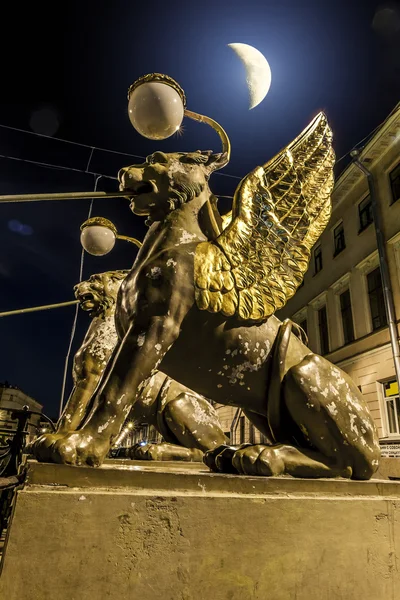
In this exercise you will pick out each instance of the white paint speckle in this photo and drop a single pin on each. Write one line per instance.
(101, 428)
(121, 398)
(187, 237)
(140, 340)
(353, 427)
(332, 408)
(103, 340)
(155, 273)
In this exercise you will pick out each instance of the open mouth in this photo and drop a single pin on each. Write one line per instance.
(138, 188)
(84, 298)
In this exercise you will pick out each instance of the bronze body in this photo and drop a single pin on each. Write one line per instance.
(163, 403)
(199, 302)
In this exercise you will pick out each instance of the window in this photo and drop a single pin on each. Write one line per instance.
(338, 239)
(317, 260)
(242, 424)
(365, 213)
(323, 330)
(303, 325)
(252, 434)
(392, 405)
(394, 177)
(376, 299)
(347, 317)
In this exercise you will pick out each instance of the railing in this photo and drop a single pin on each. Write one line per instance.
(11, 474)
(11, 453)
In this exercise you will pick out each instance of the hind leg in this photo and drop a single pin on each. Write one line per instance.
(275, 460)
(194, 422)
(188, 423)
(330, 411)
(284, 459)
(335, 435)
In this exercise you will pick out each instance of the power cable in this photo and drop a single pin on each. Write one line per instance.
(73, 329)
(93, 148)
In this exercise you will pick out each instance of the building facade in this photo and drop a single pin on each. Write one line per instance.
(340, 305)
(12, 398)
(134, 433)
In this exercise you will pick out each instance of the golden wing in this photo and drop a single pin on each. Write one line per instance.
(279, 211)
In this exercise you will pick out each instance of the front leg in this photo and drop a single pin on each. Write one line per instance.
(138, 356)
(73, 416)
(79, 404)
(157, 297)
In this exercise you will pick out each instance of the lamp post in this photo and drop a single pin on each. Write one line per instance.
(98, 238)
(156, 108)
(383, 263)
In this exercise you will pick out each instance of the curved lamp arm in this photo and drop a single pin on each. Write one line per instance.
(226, 144)
(132, 240)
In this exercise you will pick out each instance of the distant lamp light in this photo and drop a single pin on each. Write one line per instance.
(98, 236)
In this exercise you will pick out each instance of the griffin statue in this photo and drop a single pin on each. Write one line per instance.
(166, 404)
(199, 305)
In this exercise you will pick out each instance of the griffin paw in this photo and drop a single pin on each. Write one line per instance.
(258, 460)
(220, 459)
(76, 448)
(146, 452)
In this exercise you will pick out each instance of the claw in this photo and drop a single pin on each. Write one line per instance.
(220, 459)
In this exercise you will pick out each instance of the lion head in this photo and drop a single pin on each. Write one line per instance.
(99, 292)
(166, 181)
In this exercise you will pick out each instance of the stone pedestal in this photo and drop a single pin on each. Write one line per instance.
(163, 531)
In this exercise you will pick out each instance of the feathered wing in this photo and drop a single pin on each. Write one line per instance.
(279, 211)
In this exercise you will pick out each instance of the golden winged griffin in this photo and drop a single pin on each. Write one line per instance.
(199, 302)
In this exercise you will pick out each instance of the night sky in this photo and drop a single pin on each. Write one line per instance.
(65, 72)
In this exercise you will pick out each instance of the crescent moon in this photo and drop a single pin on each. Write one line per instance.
(258, 72)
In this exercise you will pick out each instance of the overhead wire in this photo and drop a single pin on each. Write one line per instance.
(75, 319)
(369, 135)
(93, 148)
(56, 167)
(97, 148)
